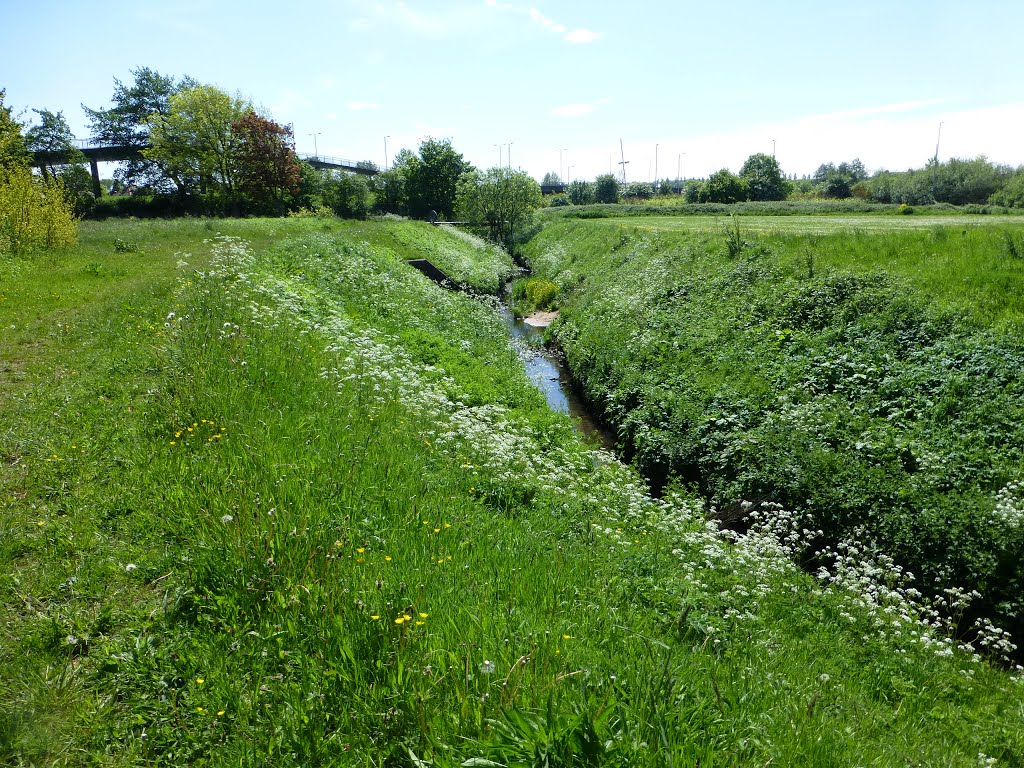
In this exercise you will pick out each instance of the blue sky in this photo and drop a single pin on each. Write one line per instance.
(691, 86)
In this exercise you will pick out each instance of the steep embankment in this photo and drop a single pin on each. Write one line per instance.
(303, 507)
(870, 382)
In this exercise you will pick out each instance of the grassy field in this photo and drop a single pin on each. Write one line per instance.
(269, 496)
(972, 265)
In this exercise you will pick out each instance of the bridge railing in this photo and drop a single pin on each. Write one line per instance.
(340, 161)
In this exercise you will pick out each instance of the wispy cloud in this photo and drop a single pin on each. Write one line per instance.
(578, 36)
(574, 36)
(360, 106)
(577, 110)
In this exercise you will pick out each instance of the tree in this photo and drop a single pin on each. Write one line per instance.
(1012, 194)
(498, 197)
(606, 189)
(127, 123)
(348, 194)
(193, 143)
(432, 177)
(764, 178)
(722, 187)
(580, 192)
(53, 135)
(263, 154)
(638, 190)
(389, 190)
(13, 152)
(551, 179)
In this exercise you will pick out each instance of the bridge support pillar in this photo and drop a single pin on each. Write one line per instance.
(96, 188)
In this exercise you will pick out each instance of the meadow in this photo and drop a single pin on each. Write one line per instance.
(269, 496)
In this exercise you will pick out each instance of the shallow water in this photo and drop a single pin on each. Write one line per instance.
(548, 371)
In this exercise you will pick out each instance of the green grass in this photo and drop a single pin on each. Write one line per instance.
(869, 381)
(215, 523)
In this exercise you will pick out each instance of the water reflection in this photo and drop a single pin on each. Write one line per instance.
(549, 373)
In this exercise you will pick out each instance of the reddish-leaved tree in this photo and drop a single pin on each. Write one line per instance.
(265, 165)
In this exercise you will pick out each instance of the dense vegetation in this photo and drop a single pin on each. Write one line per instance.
(870, 382)
(269, 496)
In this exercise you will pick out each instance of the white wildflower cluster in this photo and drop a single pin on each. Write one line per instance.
(1009, 509)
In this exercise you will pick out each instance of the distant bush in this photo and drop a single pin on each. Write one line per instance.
(148, 207)
(34, 214)
(1012, 195)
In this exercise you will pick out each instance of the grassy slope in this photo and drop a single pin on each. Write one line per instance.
(885, 403)
(214, 525)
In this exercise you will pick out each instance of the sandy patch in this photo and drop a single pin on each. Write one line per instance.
(541, 319)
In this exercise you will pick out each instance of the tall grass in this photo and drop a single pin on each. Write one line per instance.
(314, 523)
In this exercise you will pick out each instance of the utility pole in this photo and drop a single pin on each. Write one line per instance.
(386, 152)
(561, 178)
(937, 140)
(773, 149)
(510, 154)
(935, 165)
(622, 153)
(316, 152)
(655, 163)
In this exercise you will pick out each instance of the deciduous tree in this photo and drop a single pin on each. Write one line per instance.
(764, 178)
(606, 189)
(13, 152)
(722, 187)
(498, 197)
(263, 153)
(431, 179)
(193, 143)
(127, 123)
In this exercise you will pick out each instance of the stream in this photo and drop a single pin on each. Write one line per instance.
(548, 371)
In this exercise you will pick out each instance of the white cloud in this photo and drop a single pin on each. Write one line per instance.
(544, 21)
(359, 106)
(572, 110)
(578, 36)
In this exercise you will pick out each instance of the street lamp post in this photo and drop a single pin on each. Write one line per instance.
(773, 149)
(316, 152)
(561, 178)
(386, 152)
(655, 163)
(509, 158)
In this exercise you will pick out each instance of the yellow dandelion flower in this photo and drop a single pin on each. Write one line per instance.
(420, 623)
(220, 713)
(437, 530)
(375, 617)
(200, 709)
(424, 615)
(447, 525)
(360, 550)
(387, 558)
(360, 560)
(173, 443)
(200, 680)
(400, 620)
(567, 637)
(337, 542)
